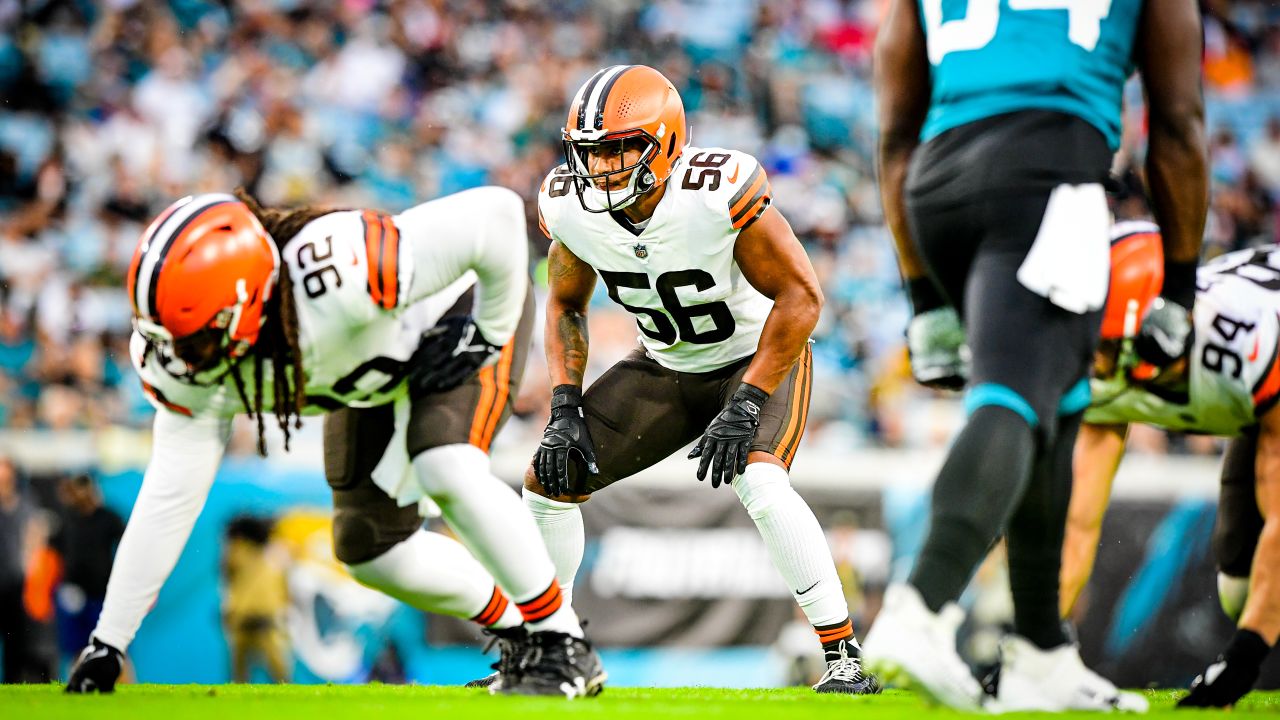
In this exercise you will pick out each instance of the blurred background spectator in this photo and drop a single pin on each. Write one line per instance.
(254, 599)
(85, 543)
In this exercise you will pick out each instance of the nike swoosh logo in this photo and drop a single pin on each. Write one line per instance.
(1256, 346)
(814, 585)
(734, 177)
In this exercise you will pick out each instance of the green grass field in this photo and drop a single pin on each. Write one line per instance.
(387, 702)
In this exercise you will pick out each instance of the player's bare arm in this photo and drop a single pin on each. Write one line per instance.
(1233, 673)
(1098, 451)
(1168, 56)
(774, 262)
(1262, 609)
(570, 281)
(902, 89)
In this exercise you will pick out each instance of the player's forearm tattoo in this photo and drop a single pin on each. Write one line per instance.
(572, 330)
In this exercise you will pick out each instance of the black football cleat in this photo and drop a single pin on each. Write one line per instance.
(557, 664)
(844, 675)
(512, 643)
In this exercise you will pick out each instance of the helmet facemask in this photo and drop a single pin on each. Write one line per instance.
(205, 356)
(594, 189)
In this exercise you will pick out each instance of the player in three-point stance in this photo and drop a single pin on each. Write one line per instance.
(998, 119)
(241, 309)
(686, 239)
(1227, 384)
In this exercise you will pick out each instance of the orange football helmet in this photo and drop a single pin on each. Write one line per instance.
(624, 103)
(1137, 273)
(199, 279)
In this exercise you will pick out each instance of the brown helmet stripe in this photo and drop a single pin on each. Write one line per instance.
(192, 210)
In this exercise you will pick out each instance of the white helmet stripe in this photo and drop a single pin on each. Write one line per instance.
(157, 245)
(580, 99)
(593, 109)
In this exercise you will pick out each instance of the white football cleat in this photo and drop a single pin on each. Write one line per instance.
(909, 646)
(1054, 681)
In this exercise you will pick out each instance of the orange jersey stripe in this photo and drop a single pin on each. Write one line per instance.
(373, 232)
(160, 398)
(751, 193)
(390, 265)
(754, 209)
(502, 380)
(1267, 390)
(542, 225)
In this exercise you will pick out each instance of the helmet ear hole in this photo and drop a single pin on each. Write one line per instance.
(671, 145)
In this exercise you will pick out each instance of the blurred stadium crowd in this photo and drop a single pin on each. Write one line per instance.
(110, 110)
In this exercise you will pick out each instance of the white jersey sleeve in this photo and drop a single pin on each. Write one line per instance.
(185, 455)
(677, 275)
(479, 231)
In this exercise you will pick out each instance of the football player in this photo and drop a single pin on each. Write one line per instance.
(241, 309)
(687, 240)
(1227, 384)
(998, 120)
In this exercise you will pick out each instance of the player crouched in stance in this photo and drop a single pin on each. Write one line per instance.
(725, 299)
(241, 309)
(1227, 384)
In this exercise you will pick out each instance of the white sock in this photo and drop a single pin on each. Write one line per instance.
(560, 524)
(435, 573)
(795, 541)
(492, 523)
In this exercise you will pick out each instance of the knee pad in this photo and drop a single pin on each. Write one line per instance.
(444, 470)
(760, 487)
(1232, 593)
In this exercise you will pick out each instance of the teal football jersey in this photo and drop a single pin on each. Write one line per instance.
(991, 57)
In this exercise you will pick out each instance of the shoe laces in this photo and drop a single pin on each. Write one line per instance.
(552, 655)
(846, 667)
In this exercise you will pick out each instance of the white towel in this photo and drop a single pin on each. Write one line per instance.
(1070, 261)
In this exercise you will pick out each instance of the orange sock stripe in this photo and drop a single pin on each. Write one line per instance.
(543, 606)
(839, 632)
(493, 611)
(502, 381)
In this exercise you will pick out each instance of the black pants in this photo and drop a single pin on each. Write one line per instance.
(14, 633)
(976, 199)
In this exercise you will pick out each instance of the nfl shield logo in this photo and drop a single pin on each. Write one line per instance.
(642, 252)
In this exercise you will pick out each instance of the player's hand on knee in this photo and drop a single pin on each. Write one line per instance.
(566, 436)
(724, 446)
(449, 354)
(939, 355)
(1232, 675)
(97, 669)
(1166, 333)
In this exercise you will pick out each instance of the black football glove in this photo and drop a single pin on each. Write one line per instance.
(97, 669)
(1231, 675)
(448, 354)
(565, 435)
(1166, 333)
(727, 441)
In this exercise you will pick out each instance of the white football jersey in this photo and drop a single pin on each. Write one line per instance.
(1234, 365)
(677, 275)
(366, 286)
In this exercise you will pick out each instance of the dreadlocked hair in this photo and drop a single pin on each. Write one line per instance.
(278, 341)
